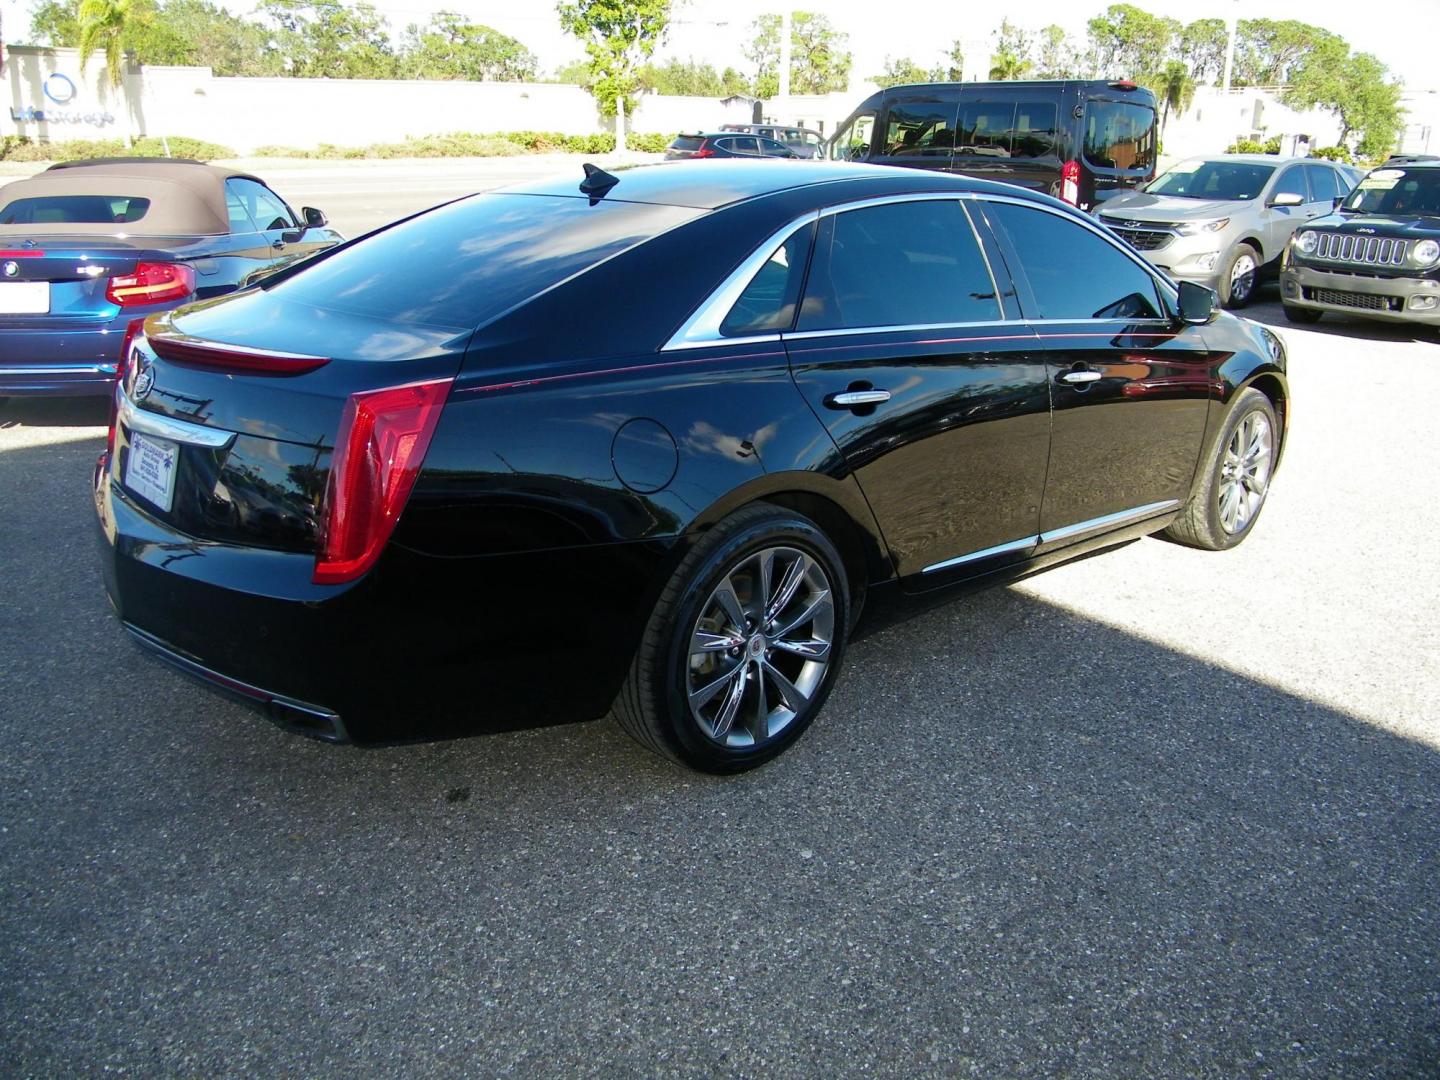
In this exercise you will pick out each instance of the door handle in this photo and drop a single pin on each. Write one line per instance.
(1081, 377)
(854, 399)
(277, 244)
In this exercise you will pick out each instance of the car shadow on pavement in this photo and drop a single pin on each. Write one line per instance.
(1271, 314)
(1018, 842)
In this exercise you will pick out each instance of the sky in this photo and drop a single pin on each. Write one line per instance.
(716, 31)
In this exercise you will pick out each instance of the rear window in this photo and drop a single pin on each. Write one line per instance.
(74, 210)
(688, 142)
(1119, 135)
(462, 265)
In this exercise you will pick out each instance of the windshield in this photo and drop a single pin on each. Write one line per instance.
(1236, 180)
(1119, 135)
(1398, 191)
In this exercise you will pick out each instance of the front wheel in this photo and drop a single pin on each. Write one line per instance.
(1240, 277)
(744, 645)
(1230, 492)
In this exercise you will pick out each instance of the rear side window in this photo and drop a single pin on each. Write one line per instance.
(768, 302)
(743, 145)
(687, 142)
(1119, 135)
(462, 265)
(986, 129)
(1323, 186)
(74, 209)
(902, 264)
(920, 129)
(1072, 272)
(1034, 130)
(771, 148)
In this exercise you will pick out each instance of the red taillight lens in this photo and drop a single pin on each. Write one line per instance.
(706, 150)
(382, 441)
(151, 283)
(223, 357)
(127, 345)
(1070, 183)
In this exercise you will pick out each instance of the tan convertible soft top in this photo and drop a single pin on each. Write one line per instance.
(186, 198)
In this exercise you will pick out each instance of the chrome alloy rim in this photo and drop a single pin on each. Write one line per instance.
(760, 647)
(1245, 473)
(1242, 277)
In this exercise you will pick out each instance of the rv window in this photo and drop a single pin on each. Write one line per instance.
(920, 128)
(1035, 130)
(987, 129)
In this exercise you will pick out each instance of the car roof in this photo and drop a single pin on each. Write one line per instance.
(710, 185)
(186, 197)
(1259, 159)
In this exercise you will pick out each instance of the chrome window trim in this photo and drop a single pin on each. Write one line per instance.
(845, 331)
(985, 553)
(163, 427)
(702, 329)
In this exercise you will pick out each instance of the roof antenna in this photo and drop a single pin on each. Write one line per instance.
(597, 183)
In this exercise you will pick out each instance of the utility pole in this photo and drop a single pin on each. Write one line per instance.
(1230, 21)
(785, 53)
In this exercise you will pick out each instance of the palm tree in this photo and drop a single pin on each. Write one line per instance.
(103, 26)
(1006, 66)
(1175, 89)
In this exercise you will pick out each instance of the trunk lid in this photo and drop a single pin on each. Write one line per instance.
(57, 281)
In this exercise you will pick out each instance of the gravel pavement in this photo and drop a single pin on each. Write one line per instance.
(1158, 813)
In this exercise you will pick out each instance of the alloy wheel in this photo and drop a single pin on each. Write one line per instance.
(1242, 278)
(760, 647)
(1245, 472)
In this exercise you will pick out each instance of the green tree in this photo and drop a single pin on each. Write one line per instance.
(1357, 89)
(819, 59)
(952, 66)
(193, 32)
(899, 72)
(103, 25)
(734, 83)
(683, 78)
(1055, 56)
(576, 73)
(1010, 58)
(451, 48)
(1267, 51)
(1128, 42)
(619, 37)
(327, 39)
(1201, 46)
(1174, 90)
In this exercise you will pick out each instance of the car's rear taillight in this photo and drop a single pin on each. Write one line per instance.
(1070, 182)
(382, 441)
(219, 356)
(122, 368)
(705, 150)
(151, 283)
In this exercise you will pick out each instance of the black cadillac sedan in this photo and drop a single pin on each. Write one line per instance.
(652, 442)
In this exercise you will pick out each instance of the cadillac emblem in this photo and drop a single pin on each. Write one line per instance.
(144, 378)
(11, 269)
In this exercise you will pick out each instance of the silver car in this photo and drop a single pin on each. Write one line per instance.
(1222, 221)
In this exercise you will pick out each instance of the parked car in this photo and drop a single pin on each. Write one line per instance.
(1083, 142)
(805, 143)
(1225, 221)
(656, 442)
(88, 247)
(1377, 256)
(724, 144)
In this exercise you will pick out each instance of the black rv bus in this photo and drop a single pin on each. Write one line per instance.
(1079, 141)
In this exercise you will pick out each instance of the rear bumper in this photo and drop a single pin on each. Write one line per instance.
(53, 360)
(1387, 299)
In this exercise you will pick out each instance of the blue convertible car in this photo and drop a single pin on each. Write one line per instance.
(88, 248)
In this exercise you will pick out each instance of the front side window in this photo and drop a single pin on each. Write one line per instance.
(1291, 182)
(768, 302)
(987, 129)
(265, 208)
(1119, 135)
(920, 129)
(901, 264)
(853, 143)
(1197, 179)
(1073, 273)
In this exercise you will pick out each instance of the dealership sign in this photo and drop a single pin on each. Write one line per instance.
(60, 91)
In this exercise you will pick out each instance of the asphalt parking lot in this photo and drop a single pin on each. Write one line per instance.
(1158, 813)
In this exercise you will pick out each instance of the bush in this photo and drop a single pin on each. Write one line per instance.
(19, 148)
(1272, 145)
(1249, 146)
(647, 142)
(1333, 153)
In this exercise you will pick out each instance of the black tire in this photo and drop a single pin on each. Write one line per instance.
(1202, 522)
(1239, 298)
(1302, 316)
(654, 705)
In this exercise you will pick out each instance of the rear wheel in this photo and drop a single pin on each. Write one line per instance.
(1240, 277)
(744, 645)
(1303, 316)
(1230, 492)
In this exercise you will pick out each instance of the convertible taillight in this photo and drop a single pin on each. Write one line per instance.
(382, 441)
(151, 283)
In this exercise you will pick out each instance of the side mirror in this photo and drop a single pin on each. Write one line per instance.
(1336, 202)
(1288, 198)
(314, 219)
(1198, 305)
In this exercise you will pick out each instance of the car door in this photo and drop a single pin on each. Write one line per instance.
(1130, 384)
(939, 405)
(284, 235)
(1326, 185)
(1281, 221)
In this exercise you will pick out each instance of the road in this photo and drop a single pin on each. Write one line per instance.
(1158, 813)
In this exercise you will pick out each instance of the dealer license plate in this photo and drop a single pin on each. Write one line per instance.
(150, 470)
(24, 297)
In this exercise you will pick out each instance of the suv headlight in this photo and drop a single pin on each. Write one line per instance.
(1306, 242)
(1194, 228)
(1426, 252)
